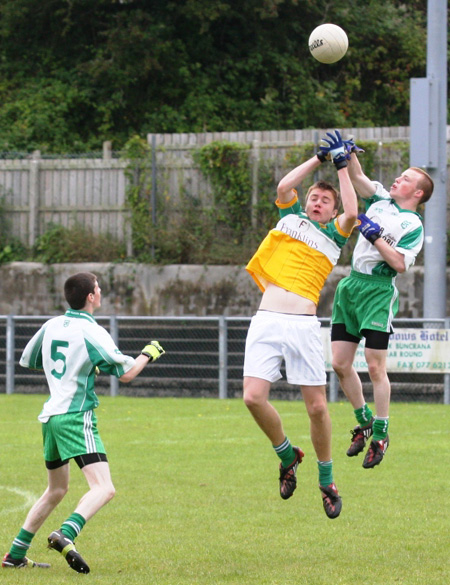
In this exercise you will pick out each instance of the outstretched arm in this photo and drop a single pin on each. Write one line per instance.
(151, 352)
(338, 155)
(287, 185)
(139, 365)
(361, 182)
(349, 201)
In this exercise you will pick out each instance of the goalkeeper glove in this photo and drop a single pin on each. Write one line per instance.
(321, 155)
(335, 149)
(369, 229)
(350, 146)
(153, 350)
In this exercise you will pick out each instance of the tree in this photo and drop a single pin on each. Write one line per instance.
(76, 73)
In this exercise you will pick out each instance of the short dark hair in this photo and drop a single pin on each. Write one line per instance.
(78, 287)
(326, 186)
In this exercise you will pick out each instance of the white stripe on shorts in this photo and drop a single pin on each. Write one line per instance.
(88, 434)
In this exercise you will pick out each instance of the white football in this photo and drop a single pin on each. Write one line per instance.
(328, 43)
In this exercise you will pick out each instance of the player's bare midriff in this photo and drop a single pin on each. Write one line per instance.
(279, 300)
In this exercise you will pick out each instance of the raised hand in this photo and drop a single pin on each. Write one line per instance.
(335, 149)
(350, 146)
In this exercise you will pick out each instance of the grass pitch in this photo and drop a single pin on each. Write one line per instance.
(197, 498)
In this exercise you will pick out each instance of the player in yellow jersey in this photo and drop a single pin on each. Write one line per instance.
(290, 267)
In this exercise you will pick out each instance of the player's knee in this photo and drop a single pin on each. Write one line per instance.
(106, 493)
(251, 399)
(109, 492)
(252, 394)
(340, 366)
(318, 409)
(56, 494)
(376, 371)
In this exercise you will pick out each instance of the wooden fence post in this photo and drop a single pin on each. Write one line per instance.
(255, 174)
(33, 194)
(107, 150)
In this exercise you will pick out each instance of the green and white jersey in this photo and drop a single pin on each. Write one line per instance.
(68, 348)
(400, 228)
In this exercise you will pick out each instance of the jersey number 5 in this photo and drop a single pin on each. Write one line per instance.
(59, 355)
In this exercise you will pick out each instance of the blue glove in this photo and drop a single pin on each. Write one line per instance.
(335, 149)
(369, 229)
(350, 146)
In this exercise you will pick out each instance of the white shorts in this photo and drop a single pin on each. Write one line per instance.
(273, 337)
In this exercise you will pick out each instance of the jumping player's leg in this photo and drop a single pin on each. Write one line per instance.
(320, 423)
(256, 399)
(320, 429)
(376, 361)
(343, 347)
(377, 343)
(343, 353)
(376, 354)
(263, 358)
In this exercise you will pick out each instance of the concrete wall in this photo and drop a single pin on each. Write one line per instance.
(138, 289)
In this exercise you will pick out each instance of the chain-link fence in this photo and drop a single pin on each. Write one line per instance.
(204, 358)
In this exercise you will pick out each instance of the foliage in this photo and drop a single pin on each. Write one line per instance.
(76, 244)
(15, 251)
(186, 231)
(138, 172)
(226, 165)
(185, 236)
(11, 248)
(107, 70)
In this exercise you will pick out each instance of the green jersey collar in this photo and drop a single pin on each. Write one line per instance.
(405, 210)
(80, 315)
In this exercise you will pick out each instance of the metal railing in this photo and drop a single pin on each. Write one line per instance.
(204, 357)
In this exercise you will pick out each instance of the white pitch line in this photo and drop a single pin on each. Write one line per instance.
(28, 499)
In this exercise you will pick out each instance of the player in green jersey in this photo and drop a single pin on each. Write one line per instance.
(365, 303)
(70, 349)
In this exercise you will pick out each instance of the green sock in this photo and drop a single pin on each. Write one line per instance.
(363, 415)
(285, 452)
(325, 472)
(21, 544)
(73, 526)
(380, 428)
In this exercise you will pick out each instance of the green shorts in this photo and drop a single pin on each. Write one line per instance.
(363, 301)
(70, 435)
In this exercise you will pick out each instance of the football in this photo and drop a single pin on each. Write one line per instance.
(328, 43)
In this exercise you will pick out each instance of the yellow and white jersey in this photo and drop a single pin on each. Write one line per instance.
(298, 254)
